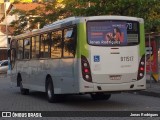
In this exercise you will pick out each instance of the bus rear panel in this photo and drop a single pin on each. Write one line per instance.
(116, 57)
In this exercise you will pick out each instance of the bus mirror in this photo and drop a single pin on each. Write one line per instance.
(9, 52)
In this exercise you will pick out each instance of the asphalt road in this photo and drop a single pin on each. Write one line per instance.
(12, 100)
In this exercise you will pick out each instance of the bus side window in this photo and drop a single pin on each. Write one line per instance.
(44, 46)
(35, 47)
(56, 44)
(20, 50)
(69, 42)
(27, 48)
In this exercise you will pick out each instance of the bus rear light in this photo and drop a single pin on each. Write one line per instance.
(87, 76)
(85, 64)
(142, 63)
(141, 74)
(141, 69)
(86, 72)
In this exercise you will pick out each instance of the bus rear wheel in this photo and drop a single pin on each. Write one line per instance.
(52, 98)
(100, 96)
(23, 90)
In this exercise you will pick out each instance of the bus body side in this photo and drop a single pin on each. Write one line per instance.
(34, 72)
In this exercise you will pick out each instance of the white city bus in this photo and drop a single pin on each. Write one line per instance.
(94, 55)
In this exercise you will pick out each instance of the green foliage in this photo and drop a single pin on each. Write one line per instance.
(146, 9)
(22, 1)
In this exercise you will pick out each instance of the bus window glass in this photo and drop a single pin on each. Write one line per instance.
(35, 47)
(69, 42)
(13, 52)
(20, 49)
(56, 44)
(27, 48)
(112, 33)
(132, 32)
(44, 49)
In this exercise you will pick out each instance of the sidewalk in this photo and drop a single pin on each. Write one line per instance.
(152, 89)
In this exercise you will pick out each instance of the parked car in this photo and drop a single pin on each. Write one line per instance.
(3, 66)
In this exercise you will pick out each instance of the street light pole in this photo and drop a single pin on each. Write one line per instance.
(6, 24)
(150, 66)
(5, 14)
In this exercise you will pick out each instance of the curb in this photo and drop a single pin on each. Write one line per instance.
(149, 93)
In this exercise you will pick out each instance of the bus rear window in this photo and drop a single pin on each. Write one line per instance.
(113, 33)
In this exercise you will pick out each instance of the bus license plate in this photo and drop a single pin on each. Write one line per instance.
(115, 77)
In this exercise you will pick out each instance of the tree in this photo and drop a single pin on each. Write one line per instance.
(146, 9)
(59, 9)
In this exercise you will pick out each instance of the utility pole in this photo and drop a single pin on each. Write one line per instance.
(6, 23)
(5, 14)
(150, 62)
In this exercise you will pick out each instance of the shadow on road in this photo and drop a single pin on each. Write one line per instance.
(81, 101)
(71, 102)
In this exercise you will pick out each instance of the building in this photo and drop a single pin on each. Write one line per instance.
(6, 19)
(5, 31)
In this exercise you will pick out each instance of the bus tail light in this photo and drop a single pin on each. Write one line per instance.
(141, 69)
(86, 71)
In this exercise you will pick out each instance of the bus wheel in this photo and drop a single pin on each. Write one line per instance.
(50, 91)
(100, 96)
(23, 90)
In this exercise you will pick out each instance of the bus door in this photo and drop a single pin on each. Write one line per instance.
(67, 63)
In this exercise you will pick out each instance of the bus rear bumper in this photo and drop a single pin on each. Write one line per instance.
(95, 87)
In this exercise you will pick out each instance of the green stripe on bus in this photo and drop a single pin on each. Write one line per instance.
(142, 40)
(82, 45)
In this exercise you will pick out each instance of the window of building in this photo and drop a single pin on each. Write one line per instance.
(56, 44)
(45, 46)
(69, 46)
(35, 47)
(20, 49)
(27, 47)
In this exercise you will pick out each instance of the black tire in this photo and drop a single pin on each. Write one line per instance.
(100, 96)
(23, 90)
(52, 98)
